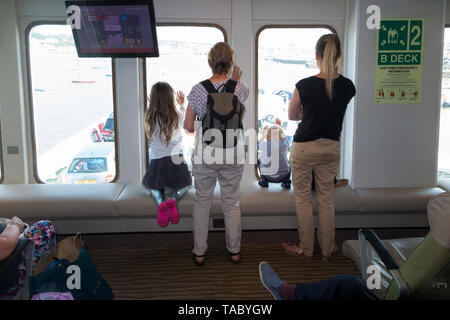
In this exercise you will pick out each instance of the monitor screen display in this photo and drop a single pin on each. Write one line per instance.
(115, 29)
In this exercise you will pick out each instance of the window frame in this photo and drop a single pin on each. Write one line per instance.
(31, 104)
(144, 66)
(258, 32)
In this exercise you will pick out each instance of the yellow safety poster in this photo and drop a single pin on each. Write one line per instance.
(398, 74)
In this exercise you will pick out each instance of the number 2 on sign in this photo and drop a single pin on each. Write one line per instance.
(414, 41)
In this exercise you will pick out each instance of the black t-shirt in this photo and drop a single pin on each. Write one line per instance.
(322, 118)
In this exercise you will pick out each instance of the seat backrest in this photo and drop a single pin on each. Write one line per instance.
(427, 270)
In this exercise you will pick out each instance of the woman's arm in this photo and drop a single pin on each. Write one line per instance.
(189, 119)
(242, 89)
(295, 112)
(10, 237)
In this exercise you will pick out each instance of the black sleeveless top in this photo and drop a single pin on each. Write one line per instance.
(322, 118)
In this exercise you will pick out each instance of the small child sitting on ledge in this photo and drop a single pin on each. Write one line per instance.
(273, 139)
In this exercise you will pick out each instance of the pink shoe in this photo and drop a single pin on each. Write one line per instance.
(173, 212)
(163, 221)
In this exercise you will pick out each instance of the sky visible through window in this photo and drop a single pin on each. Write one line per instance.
(183, 60)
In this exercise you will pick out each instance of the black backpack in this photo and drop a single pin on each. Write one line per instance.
(223, 111)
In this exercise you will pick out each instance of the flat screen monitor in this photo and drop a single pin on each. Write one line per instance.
(115, 28)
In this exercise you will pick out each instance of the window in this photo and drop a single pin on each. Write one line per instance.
(72, 109)
(183, 61)
(444, 127)
(1, 156)
(284, 56)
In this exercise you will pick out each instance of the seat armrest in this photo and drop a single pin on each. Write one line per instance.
(369, 235)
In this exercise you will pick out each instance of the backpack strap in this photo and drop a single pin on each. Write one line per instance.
(230, 85)
(207, 84)
(239, 113)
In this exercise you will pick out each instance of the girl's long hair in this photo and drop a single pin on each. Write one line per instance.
(161, 111)
(328, 48)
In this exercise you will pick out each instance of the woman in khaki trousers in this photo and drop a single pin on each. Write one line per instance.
(320, 102)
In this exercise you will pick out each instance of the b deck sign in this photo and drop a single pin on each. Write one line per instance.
(398, 74)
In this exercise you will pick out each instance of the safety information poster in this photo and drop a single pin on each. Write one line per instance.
(398, 74)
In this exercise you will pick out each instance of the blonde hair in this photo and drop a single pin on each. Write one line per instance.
(328, 49)
(221, 58)
(161, 111)
(275, 128)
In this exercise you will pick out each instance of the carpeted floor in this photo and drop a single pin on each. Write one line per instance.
(160, 265)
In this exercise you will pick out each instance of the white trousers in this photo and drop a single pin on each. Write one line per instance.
(229, 177)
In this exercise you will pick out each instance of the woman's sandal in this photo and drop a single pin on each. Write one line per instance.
(235, 257)
(341, 183)
(295, 249)
(199, 260)
(335, 249)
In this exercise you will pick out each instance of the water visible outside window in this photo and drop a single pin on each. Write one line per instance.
(72, 109)
(183, 62)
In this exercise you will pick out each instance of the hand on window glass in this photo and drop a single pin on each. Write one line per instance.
(180, 98)
(237, 73)
(264, 133)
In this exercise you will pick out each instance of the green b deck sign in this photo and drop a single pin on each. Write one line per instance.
(398, 74)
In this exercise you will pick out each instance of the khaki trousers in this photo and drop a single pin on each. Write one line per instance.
(322, 156)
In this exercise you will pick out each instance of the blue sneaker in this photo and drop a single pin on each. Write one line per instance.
(270, 279)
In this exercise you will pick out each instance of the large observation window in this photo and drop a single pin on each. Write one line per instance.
(183, 62)
(444, 127)
(285, 55)
(72, 110)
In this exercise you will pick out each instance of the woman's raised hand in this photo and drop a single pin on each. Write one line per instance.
(264, 132)
(236, 74)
